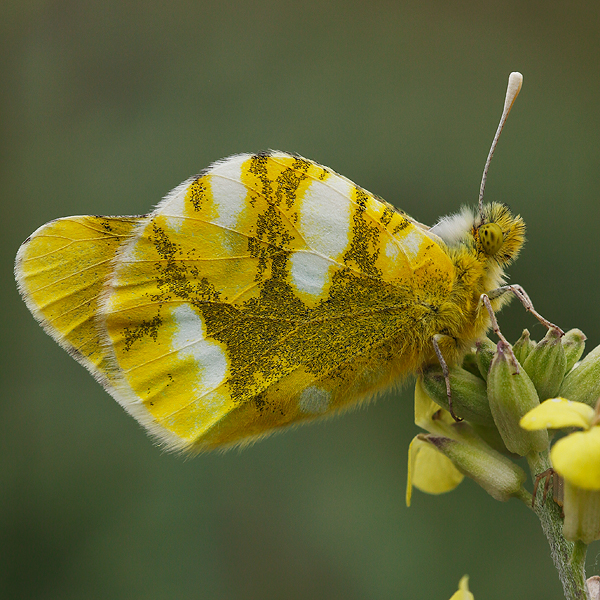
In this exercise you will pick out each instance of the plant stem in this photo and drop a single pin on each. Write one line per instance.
(568, 557)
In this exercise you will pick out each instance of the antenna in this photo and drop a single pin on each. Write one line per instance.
(515, 81)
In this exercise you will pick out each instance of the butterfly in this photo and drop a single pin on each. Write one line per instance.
(264, 292)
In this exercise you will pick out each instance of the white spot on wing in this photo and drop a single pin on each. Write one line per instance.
(411, 244)
(309, 273)
(391, 249)
(228, 191)
(324, 221)
(325, 216)
(205, 356)
(314, 400)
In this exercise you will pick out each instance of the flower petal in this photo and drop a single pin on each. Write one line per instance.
(463, 590)
(577, 458)
(429, 470)
(557, 413)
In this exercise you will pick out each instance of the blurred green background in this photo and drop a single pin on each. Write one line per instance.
(107, 105)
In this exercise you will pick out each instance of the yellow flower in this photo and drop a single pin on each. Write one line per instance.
(463, 592)
(428, 469)
(576, 457)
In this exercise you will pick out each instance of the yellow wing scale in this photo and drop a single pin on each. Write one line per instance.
(265, 292)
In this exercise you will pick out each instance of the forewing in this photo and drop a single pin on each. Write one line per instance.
(263, 293)
(61, 270)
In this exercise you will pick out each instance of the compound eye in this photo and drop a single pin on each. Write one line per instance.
(491, 238)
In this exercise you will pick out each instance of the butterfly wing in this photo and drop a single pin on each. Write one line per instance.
(267, 291)
(60, 270)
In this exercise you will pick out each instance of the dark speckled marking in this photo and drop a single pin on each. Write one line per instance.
(145, 328)
(173, 275)
(106, 226)
(400, 227)
(363, 251)
(287, 183)
(197, 194)
(386, 216)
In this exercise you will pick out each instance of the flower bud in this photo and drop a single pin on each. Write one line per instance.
(582, 384)
(484, 355)
(524, 346)
(574, 343)
(496, 474)
(469, 396)
(582, 514)
(546, 364)
(511, 394)
(469, 363)
(491, 437)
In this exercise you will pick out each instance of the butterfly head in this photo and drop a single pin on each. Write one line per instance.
(495, 234)
(500, 234)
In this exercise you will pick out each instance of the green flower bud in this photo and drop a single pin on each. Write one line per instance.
(491, 437)
(574, 343)
(524, 346)
(484, 355)
(469, 396)
(582, 384)
(496, 474)
(511, 394)
(546, 365)
(582, 513)
(469, 363)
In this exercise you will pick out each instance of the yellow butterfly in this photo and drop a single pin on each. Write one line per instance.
(264, 292)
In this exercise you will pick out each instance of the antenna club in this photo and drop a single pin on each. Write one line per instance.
(515, 81)
(515, 78)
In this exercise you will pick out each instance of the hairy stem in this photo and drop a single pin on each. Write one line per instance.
(568, 557)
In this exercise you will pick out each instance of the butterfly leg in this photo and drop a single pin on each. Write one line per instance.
(485, 299)
(521, 294)
(446, 373)
(551, 477)
(547, 475)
